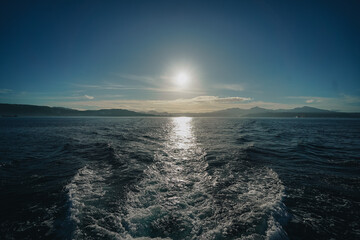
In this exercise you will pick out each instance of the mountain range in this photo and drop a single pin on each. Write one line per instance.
(300, 112)
(12, 110)
(33, 110)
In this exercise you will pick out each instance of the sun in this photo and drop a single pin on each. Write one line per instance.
(182, 79)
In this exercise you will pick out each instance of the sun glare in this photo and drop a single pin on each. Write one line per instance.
(182, 79)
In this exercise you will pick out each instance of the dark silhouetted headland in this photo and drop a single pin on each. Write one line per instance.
(33, 110)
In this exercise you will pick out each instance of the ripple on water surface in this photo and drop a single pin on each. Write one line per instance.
(180, 195)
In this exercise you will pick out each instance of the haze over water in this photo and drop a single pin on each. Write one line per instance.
(179, 178)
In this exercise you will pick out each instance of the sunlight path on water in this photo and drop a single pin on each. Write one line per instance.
(179, 199)
(171, 199)
(174, 178)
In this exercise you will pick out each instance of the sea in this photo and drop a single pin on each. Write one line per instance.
(179, 178)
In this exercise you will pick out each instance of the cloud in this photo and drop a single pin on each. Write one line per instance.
(218, 99)
(231, 87)
(88, 97)
(140, 78)
(196, 104)
(163, 89)
(351, 99)
(344, 103)
(105, 86)
(5, 90)
(206, 103)
(132, 84)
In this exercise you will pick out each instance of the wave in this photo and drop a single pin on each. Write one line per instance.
(195, 199)
(86, 193)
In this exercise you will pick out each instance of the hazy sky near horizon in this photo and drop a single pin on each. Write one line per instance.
(128, 54)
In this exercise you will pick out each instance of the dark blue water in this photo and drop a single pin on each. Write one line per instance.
(179, 178)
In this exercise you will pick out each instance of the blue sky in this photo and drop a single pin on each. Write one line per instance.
(127, 54)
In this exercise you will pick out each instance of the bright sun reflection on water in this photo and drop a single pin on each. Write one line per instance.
(182, 132)
(172, 187)
(181, 197)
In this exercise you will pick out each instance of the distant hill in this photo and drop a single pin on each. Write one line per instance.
(304, 109)
(328, 114)
(236, 112)
(152, 112)
(11, 110)
(289, 113)
(295, 112)
(33, 110)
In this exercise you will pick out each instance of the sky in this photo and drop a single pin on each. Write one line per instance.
(181, 56)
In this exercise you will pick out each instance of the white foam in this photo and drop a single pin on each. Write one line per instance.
(86, 193)
(178, 196)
